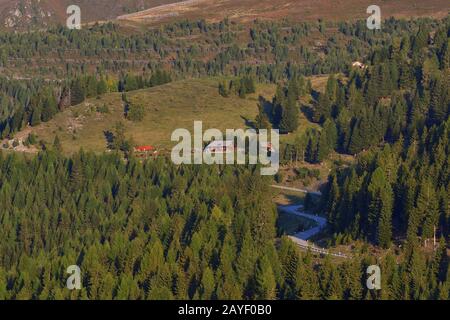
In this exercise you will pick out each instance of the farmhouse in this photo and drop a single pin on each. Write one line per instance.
(145, 151)
(220, 147)
(227, 146)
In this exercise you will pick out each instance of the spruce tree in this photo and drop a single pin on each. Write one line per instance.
(265, 284)
(289, 117)
(380, 208)
(77, 92)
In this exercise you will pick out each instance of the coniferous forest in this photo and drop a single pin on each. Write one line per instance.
(144, 228)
(155, 231)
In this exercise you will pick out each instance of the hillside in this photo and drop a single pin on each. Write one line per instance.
(300, 10)
(167, 107)
(362, 183)
(22, 14)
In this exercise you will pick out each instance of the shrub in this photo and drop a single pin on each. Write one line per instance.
(135, 112)
(103, 109)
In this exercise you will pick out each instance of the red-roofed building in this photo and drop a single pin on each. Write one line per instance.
(144, 148)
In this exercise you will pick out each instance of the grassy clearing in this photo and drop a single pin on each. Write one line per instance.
(168, 107)
(287, 197)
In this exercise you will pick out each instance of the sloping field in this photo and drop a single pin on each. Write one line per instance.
(247, 10)
(167, 107)
(168, 10)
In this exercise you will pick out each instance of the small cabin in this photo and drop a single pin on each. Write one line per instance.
(144, 149)
(220, 147)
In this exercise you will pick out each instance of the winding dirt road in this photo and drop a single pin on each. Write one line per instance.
(301, 238)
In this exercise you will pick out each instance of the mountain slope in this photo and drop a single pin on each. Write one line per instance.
(20, 14)
(247, 10)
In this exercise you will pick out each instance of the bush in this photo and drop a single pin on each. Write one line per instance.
(103, 109)
(301, 173)
(135, 112)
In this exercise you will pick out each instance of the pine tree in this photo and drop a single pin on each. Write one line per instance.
(331, 89)
(36, 117)
(102, 86)
(262, 120)
(420, 40)
(359, 136)
(277, 102)
(385, 220)
(119, 136)
(441, 262)
(427, 208)
(289, 117)
(323, 148)
(380, 208)
(352, 280)
(445, 56)
(334, 291)
(406, 80)
(77, 92)
(416, 274)
(3, 285)
(439, 101)
(245, 260)
(330, 132)
(265, 284)
(207, 284)
(322, 109)
(311, 148)
(49, 108)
